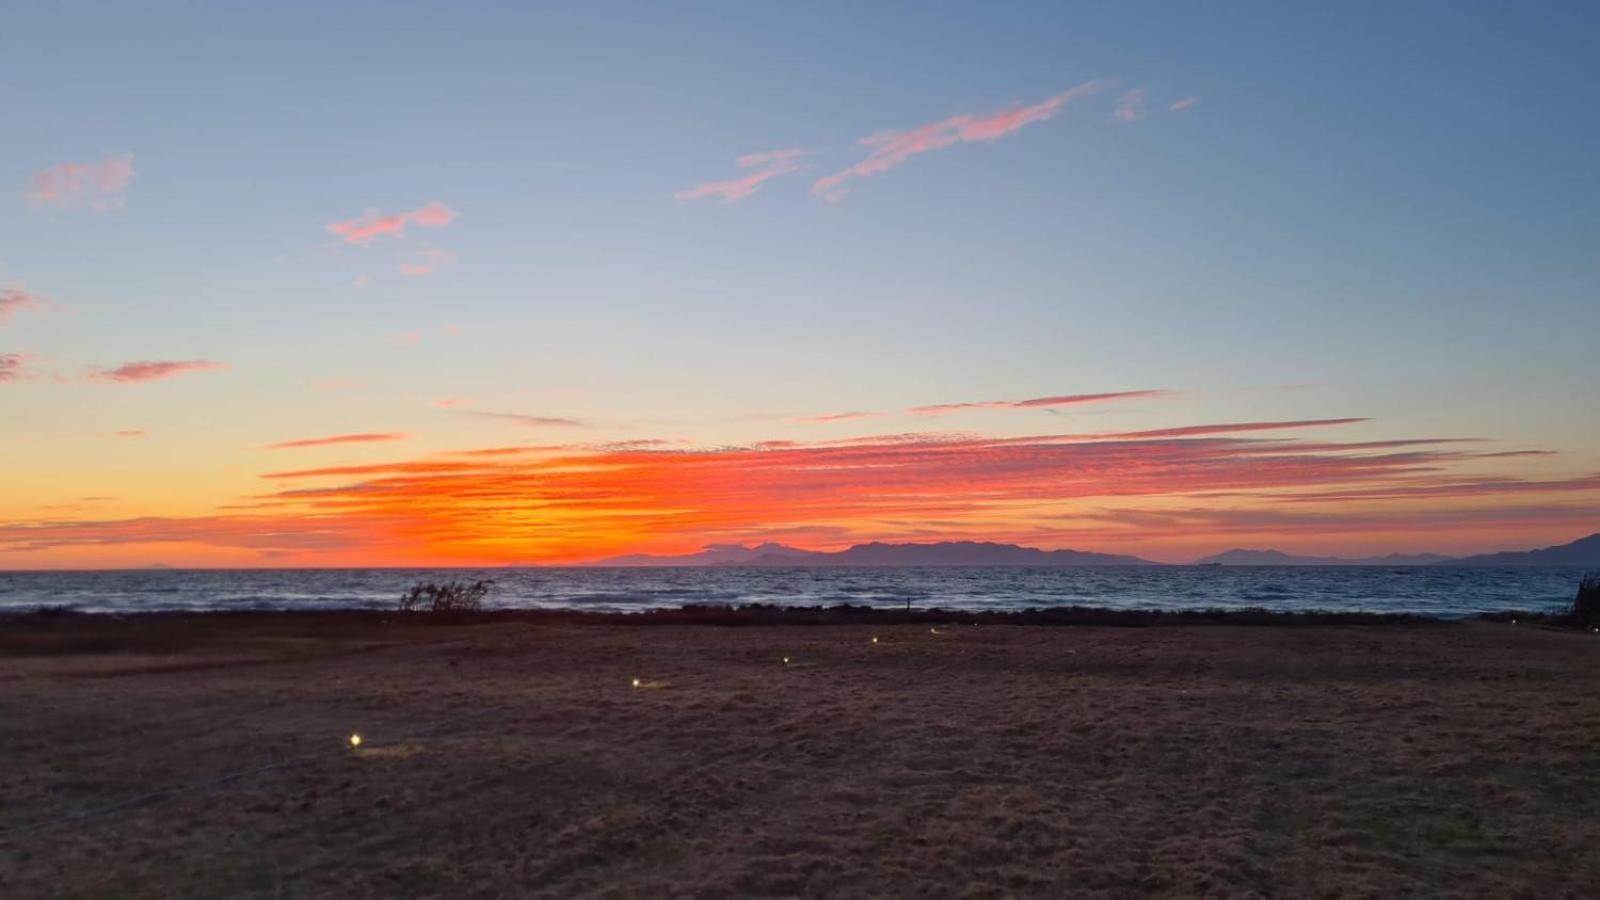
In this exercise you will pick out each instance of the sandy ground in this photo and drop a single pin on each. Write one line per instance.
(517, 758)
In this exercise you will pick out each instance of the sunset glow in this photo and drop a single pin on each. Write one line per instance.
(541, 301)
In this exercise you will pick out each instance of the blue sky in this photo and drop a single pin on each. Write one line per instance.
(1376, 210)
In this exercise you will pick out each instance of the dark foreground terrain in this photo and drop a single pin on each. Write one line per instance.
(208, 755)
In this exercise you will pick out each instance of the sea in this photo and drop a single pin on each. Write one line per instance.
(1438, 591)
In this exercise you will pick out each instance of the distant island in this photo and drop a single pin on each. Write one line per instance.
(1582, 552)
(945, 553)
(1280, 558)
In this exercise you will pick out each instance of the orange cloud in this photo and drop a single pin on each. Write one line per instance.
(373, 224)
(940, 409)
(96, 185)
(363, 438)
(766, 166)
(566, 503)
(153, 370)
(891, 148)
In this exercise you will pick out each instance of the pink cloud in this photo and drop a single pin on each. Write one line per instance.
(373, 224)
(130, 433)
(837, 417)
(13, 299)
(428, 261)
(1185, 103)
(95, 185)
(450, 402)
(363, 438)
(153, 370)
(766, 166)
(940, 409)
(891, 148)
(11, 366)
(1130, 106)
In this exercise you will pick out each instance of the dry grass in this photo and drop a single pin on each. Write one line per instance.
(515, 757)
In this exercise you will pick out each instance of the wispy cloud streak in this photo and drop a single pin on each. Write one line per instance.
(13, 300)
(427, 262)
(891, 148)
(1130, 106)
(524, 419)
(362, 438)
(942, 409)
(152, 370)
(99, 186)
(836, 417)
(374, 224)
(764, 167)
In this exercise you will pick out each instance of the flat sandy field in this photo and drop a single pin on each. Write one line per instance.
(208, 756)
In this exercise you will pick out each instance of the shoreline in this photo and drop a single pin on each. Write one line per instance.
(764, 614)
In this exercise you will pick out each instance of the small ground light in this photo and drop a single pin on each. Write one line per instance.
(874, 639)
(355, 741)
(786, 660)
(1513, 621)
(637, 682)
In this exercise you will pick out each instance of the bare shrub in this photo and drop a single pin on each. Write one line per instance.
(446, 597)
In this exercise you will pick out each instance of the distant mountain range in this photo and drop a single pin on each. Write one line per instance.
(947, 553)
(713, 555)
(1582, 552)
(1280, 558)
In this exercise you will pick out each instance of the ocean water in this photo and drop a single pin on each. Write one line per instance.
(1435, 591)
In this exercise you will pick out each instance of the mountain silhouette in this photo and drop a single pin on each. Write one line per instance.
(711, 555)
(1280, 558)
(946, 553)
(1581, 552)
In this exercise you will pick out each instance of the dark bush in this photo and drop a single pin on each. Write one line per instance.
(448, 597)
(1586, 606)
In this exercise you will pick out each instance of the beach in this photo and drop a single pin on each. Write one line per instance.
(539, 755)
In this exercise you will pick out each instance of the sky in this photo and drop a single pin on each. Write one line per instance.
(305, 284)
